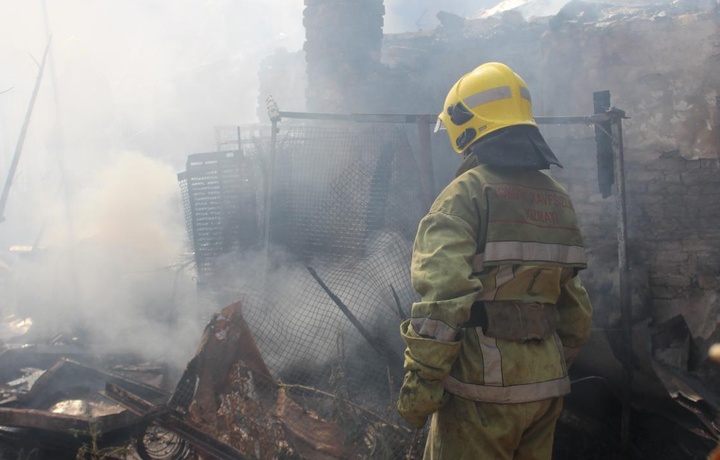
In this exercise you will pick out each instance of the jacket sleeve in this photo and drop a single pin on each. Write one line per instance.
(575, 317)
(441, 273)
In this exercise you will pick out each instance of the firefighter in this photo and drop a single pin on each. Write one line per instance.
(495, 261)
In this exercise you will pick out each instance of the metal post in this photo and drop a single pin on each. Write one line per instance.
(603, 141)
(424, 161)
(239, 138)
(274, 114)
(623, 273)
(611, 171)
(21, 138)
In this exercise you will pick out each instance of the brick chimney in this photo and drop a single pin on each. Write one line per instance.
(343, 39)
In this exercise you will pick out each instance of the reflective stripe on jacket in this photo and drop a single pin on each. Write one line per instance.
(501, 234)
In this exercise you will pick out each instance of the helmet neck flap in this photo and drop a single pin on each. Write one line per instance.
(520, 146)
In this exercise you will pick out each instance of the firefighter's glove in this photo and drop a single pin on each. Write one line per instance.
(419, 398)
(427, 362)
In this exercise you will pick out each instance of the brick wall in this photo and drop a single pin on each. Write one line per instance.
(673, 232)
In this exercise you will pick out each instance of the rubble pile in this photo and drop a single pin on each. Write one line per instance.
(226, 405)
(61, 410)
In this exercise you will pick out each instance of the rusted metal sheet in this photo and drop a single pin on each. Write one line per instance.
(235, 397)
(226, 341)
(226, 384)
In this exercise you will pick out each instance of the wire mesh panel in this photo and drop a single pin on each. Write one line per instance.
(220, 200)
(335, 187)
(324, 301)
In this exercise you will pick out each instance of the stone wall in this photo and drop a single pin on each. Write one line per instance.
(661, 67)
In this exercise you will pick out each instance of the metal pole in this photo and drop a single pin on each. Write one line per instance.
(424, 160)
(623, 273)
(274, 114)
(21, 138)
(430, 119)
(603, 142)
(239, 138)
(611, 171)
(376, 343)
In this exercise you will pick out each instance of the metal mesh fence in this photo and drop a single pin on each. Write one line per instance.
(334, 188)
(324, 298)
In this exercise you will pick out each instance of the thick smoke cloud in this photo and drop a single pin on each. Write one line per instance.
(130, 89)
(123, 282)
(149, 76)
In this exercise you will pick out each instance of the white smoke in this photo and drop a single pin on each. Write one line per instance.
(122, 282)
(106, 225)
(143, 75)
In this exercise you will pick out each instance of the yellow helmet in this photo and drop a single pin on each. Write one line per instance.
(489, 98)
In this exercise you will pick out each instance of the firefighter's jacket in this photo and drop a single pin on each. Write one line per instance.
(502, 234)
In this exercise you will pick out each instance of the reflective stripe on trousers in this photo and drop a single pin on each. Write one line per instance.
(493, 390)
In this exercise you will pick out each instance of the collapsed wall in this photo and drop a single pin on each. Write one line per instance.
(661, 67)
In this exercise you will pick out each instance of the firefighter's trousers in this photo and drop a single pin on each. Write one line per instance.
(469, 430)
